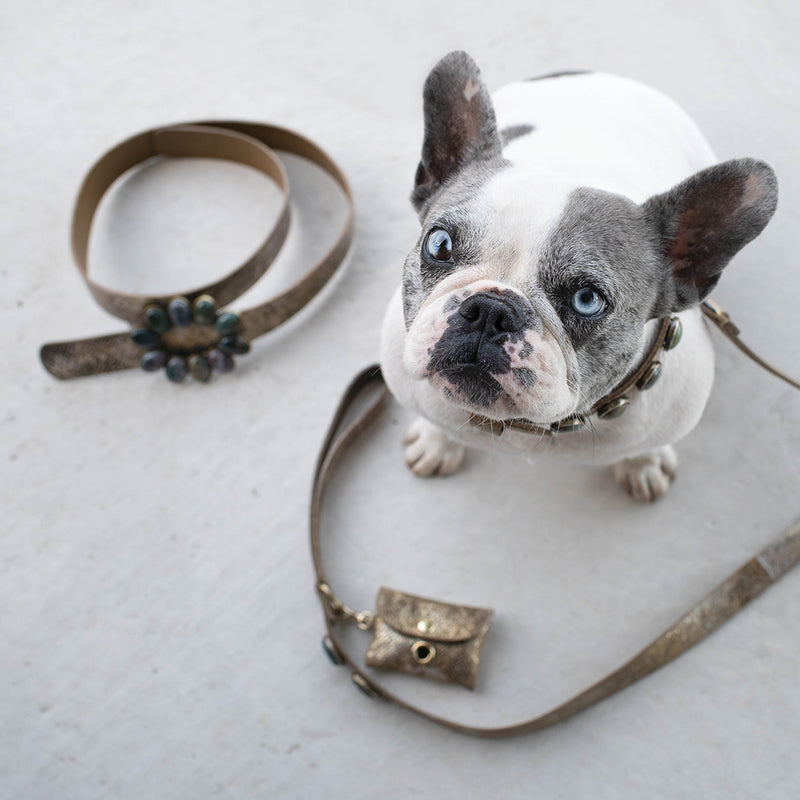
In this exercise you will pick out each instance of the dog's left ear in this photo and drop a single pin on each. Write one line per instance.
(460, 125)
(704, 221)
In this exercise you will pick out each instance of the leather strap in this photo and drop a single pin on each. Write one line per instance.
(658, 344)
(246, 143)
(736, 591)
(721, 319)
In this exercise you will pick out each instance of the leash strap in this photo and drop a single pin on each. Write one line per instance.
(246, 143)
(721, 319)
(719, 605)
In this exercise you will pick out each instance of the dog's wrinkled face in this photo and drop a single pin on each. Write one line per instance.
(525, 297)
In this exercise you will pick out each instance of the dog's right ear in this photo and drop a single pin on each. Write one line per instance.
(704, 221)
(460, 124)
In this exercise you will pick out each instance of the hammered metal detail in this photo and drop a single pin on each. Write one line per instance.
(650, 377)
(614, 408)
(674, 333)
(569, 425)
(452, 646)
(332, 651)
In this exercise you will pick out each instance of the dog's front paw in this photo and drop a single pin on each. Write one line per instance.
(648, 476)
(429, 451)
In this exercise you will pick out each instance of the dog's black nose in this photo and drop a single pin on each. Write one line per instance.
(473, 351)
(492, 314)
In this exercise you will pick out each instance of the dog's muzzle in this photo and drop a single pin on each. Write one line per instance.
(473, 348)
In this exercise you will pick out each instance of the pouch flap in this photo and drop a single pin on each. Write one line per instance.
(431, 619)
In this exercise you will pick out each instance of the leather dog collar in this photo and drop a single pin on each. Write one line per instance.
(188, 332)
(616, 402)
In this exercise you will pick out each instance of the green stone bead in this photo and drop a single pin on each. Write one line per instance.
(674, 333)
(234, 345)
(153, 360)
(180, 312)
(650, 377)
(144, 337)
(157, 319)
(205, 310)
(176, 369)
(616, 408)
(228, 323)
(220, 360)
(199, 368)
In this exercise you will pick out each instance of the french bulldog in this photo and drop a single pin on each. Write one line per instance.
(562, 221)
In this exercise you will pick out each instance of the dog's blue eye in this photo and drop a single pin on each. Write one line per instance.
(439, 245)
(587, 302)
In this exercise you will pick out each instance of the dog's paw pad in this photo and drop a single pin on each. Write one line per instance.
(429, 451)
(648, 476)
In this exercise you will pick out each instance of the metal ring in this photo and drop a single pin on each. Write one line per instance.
(423, 652)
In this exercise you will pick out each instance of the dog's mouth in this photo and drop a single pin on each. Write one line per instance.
(480, 389)
(516, 390)
(482, 373)
(486, 351)
(499, 396)
(473, 356)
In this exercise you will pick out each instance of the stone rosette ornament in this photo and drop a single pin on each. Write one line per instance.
(187, 334)
(189, 339)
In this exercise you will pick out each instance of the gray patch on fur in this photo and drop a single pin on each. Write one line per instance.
(566, 73)
(413, 294)
(525, 377)
(603, 240)
(460, 125)
(648, 261)
(461, 151)
(452, 207)
(511, 132)
(453, 303)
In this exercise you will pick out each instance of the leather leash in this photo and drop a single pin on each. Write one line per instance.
(166, 321)
(736, 591)
(182, 324)
(721, 319)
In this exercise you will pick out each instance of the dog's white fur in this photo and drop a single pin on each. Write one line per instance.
(640, 143)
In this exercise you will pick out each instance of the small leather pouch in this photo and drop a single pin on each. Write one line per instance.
(428, 638)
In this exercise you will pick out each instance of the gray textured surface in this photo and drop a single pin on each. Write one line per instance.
(158, 633)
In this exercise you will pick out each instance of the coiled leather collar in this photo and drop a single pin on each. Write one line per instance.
(183, 337)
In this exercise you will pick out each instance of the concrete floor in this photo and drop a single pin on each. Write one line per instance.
(159, 634)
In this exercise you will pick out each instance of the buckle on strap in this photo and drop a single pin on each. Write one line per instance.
(719, 317)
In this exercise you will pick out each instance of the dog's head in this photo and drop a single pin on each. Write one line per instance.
(524, 297)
